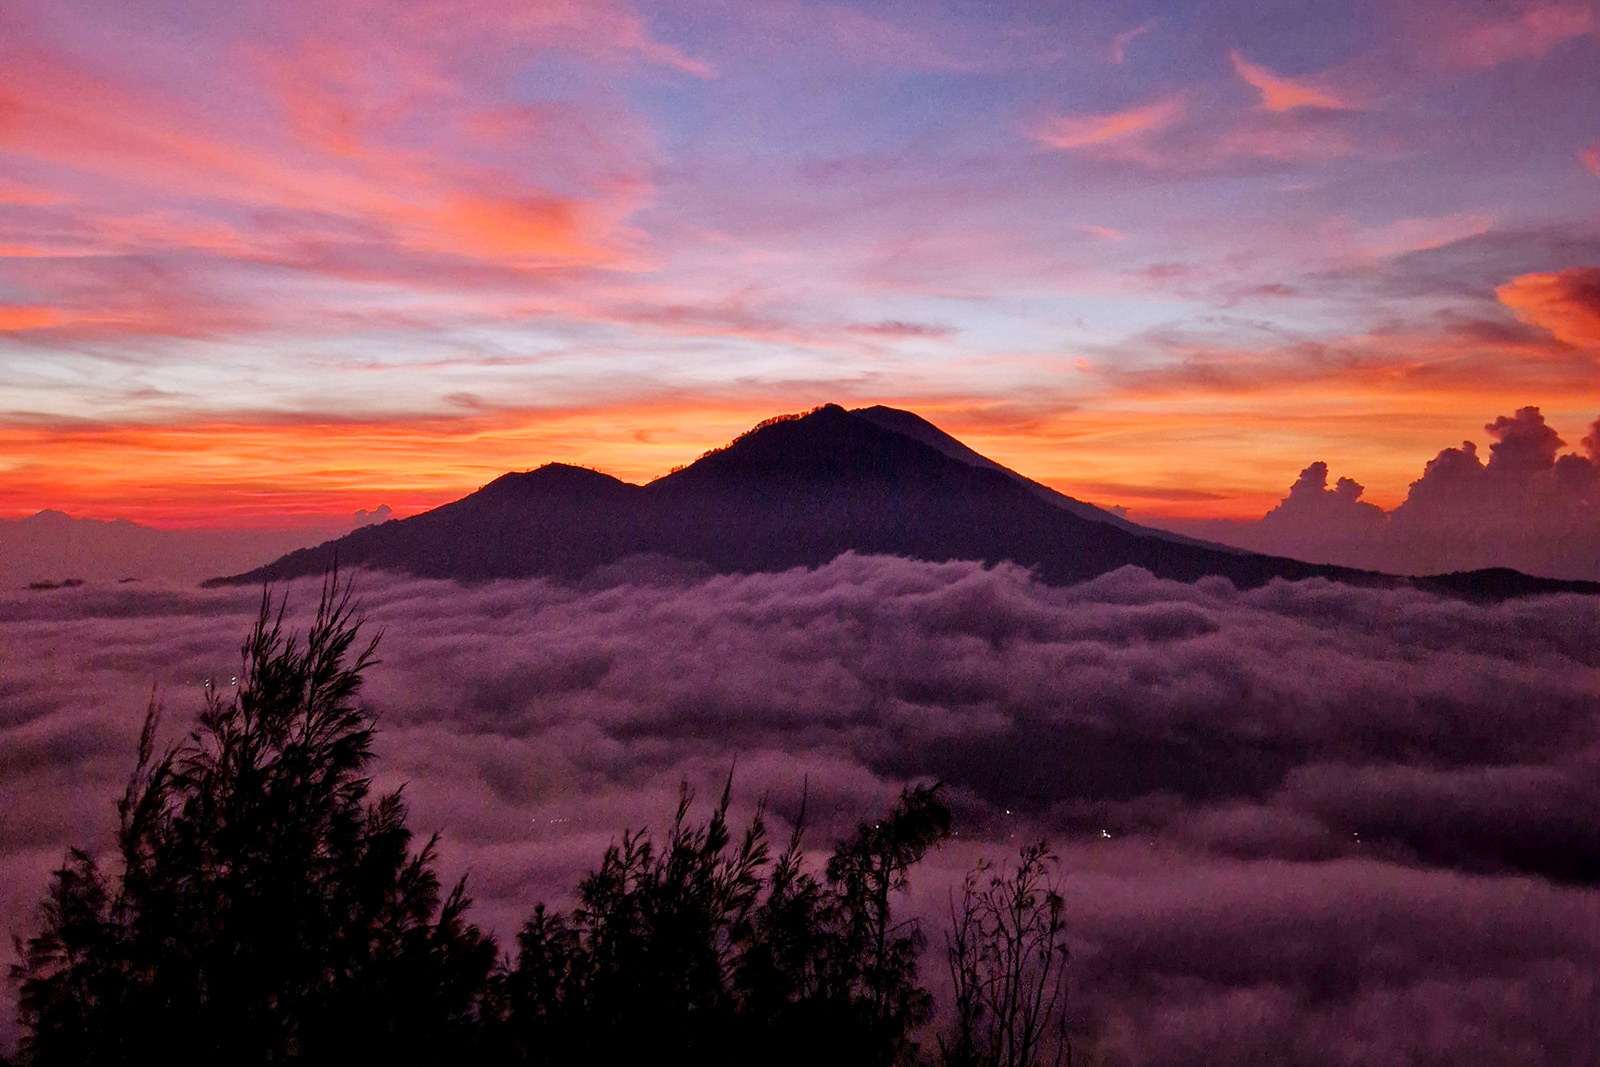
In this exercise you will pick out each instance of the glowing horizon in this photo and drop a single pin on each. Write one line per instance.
(265, 265)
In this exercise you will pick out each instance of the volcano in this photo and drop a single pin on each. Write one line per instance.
(797, 491)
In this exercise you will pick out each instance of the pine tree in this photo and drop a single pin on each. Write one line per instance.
(265, 908)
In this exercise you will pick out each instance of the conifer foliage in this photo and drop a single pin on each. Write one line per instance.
(266, 909)
(715, 949)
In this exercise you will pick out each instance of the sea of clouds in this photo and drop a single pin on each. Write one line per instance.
(1302, 825)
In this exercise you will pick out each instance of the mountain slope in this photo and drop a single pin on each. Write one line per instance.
(910, 424)
(796, 491)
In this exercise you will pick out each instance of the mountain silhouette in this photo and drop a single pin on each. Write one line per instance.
(799, 491)
(43, 550)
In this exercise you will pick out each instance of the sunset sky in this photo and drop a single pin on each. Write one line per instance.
(265, 263)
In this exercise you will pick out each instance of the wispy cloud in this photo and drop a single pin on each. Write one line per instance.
(1109, 132)
(1280, 93)
(1120, 43)
(1519, 35)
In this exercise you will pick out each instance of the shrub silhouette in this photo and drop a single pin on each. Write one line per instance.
(1007, 957)
(265, 909)
(715, 951)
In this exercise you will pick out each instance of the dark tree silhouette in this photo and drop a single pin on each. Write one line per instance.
(265, 910)
(1007, 955)
(713, 951)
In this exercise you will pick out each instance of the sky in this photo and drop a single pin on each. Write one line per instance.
(262, 264)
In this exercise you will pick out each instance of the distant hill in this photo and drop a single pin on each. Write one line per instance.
(52, 548)
(794, 491)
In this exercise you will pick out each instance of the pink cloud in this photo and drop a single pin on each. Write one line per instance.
(1299, 125)
(341, 156)
(1112, 132)
(1417, 234)
(24, 195)
(1280, 93)
(1528, 34)
(596, 29)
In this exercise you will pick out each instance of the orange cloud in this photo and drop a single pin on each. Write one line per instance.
(1280, 93)
(19, 319)
(1566, 303)
(321, 177)
(531, 231)
(1068, 132)
(1591, 158)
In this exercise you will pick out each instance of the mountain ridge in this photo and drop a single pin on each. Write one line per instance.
(798, 491)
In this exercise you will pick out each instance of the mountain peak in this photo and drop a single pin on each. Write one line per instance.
(822, 444)
(795, 491)
(560, 479)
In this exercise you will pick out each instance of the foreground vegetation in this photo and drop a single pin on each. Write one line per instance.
(266, 908)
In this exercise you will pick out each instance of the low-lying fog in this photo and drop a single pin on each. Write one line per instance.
(1307, 824)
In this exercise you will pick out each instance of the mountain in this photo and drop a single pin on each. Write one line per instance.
(910, 424)
(52, 547)
(794, 491)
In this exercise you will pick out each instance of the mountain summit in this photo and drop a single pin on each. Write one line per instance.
(794, 491)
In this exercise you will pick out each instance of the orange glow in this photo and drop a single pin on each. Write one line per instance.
(16, 319)
(1189, 443)
(521, 231)
(1233, 458)
(1566, 303)
(494, 235)
(295, 474)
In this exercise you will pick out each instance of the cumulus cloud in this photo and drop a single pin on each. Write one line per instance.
(1294, 820)
(1337, 514)
(1530, 507)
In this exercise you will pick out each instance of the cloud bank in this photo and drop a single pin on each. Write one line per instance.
(1306, 824)
(1530, 507)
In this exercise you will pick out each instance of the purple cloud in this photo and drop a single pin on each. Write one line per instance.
(1294, 821)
